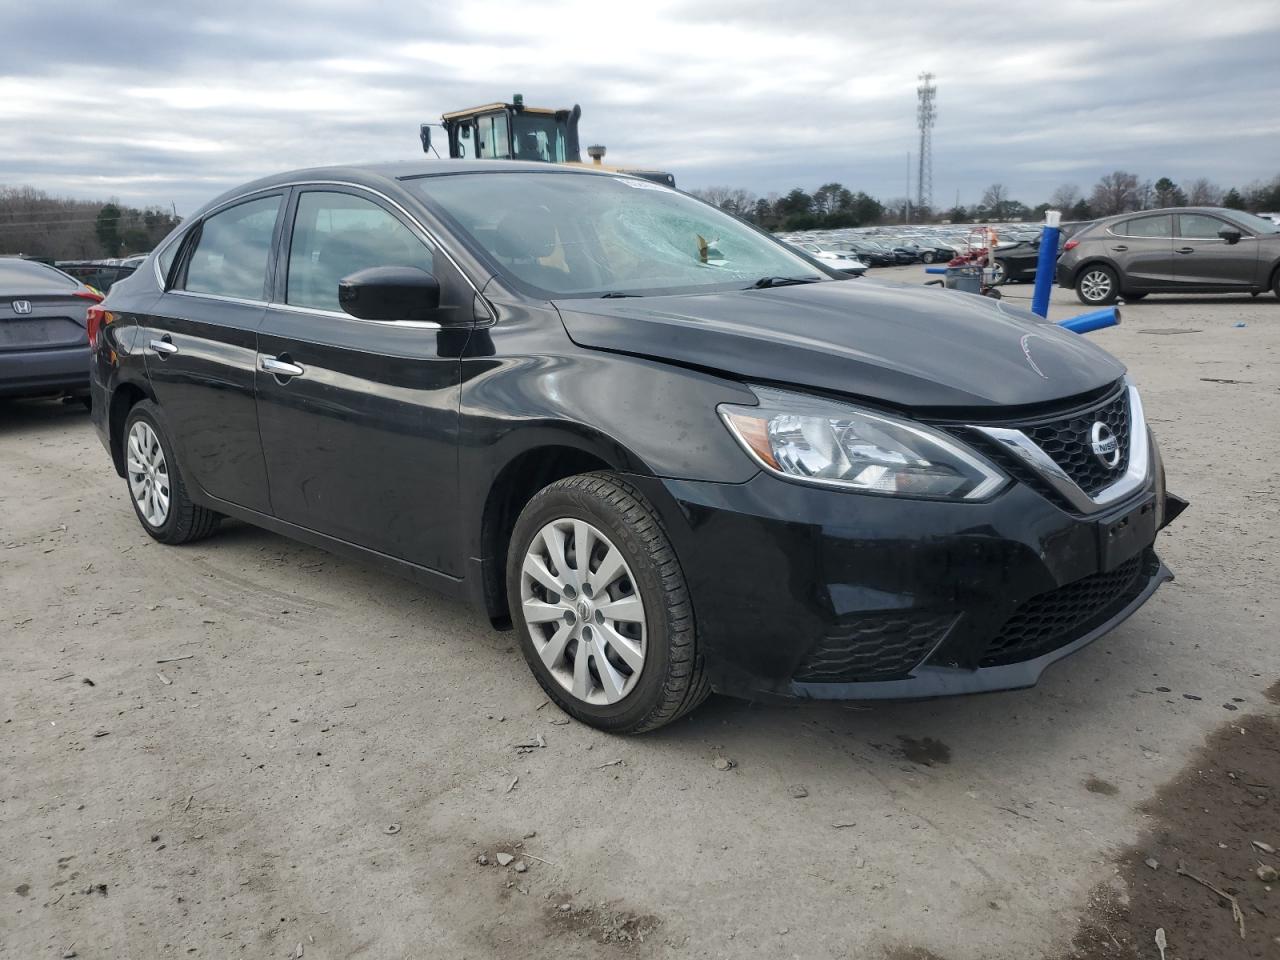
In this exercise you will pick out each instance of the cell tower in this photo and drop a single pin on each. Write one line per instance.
(926, 113)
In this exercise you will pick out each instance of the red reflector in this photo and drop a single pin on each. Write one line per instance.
(94, 320)
(1071, 245)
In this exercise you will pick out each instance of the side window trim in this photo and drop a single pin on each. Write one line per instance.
(178, 271)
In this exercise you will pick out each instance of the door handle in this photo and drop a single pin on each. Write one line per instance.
(1185, 250)
(164, 347)
(1120, 248)
(279, 368)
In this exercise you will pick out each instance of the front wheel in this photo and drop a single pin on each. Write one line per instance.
(1096, 286)
(600, 602)
(999, 273)
(928, 256)
(156, 490)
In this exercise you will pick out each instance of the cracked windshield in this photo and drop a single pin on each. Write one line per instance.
(585, 235)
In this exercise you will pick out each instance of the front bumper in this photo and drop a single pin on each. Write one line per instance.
(26, 373)
(806, 593)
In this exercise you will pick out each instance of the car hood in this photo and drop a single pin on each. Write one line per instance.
(906, 346)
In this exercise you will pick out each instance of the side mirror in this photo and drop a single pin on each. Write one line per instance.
(390, 293)
(424, 134)
(1230, 234)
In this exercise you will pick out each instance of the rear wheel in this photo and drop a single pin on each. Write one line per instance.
(156, 490)
(1275, 283)
(1097, 286)
(928, 256)
(601, 606)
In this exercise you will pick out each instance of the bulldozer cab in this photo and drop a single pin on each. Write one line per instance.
(512, 131)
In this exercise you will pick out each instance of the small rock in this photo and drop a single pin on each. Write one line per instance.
(1152, 862)
(724, 763)
(520, 866)
(482, 860)
(68, 953)
(391, 829)
(155, 837)
(504, 859)
(1163, 690)
(1268, 874)
(101, 733)
(1191, 696)
(1229, 706)
(783, 931)
(563, 908)
(1264, 847)
(798, 791)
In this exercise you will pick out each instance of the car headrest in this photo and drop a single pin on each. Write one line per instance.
(526, 233)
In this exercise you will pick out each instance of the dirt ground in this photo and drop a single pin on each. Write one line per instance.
(323, 771)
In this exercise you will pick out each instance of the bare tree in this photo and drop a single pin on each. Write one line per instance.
(1115, 193)
(995, 200)
(1202, 192)
(1065, 197)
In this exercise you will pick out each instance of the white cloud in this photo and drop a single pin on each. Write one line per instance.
(152, 105)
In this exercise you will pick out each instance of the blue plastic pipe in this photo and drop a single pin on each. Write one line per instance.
(1047, 264)
(1088, 322)
(935, 270)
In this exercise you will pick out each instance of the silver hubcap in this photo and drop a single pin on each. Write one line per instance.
(1095, 285)
(585, 616)
(148, 474)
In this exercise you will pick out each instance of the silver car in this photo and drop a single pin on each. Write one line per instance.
(1180, 250)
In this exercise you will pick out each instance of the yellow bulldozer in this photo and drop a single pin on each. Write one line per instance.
(513, 131)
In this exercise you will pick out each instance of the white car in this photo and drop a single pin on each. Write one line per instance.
(836, 259)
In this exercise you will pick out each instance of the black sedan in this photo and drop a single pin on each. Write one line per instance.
(872, 254)
(672, 465)
(44, 346)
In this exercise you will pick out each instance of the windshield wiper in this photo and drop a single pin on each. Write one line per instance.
(608, 296)
(764, 282)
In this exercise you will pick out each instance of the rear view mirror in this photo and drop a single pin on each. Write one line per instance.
(390, 293)
(1230, 234)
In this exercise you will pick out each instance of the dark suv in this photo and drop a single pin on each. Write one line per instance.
(1180, 250)
(674, 455)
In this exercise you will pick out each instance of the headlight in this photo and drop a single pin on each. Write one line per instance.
(829, 444)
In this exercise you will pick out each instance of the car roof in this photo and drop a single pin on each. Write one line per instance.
(387, 174)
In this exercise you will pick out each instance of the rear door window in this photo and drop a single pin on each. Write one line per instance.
(337, 234)
(231, 255)
(1157, 227)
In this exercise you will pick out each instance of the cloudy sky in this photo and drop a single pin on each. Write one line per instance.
(173, 102)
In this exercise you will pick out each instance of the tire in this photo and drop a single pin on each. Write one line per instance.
(1275, 283)
(147, 446)
(928, 256)
(1132, 297)
(1097, 285)
(661, 677)
(1000, 273)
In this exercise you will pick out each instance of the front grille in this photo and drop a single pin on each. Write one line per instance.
(1069, 443)
(1052, 620)
(874, 647)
